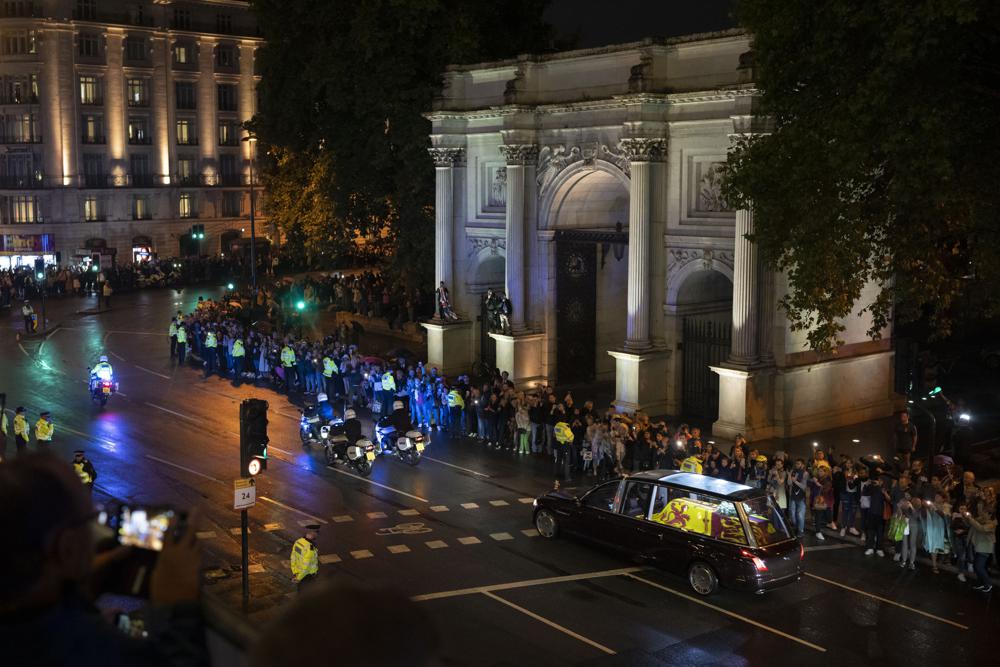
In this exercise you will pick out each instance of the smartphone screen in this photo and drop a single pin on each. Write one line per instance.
(144, 527)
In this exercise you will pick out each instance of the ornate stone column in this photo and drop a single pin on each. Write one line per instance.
(519, 158)
(746, 298)
(768, 305)
(445, 160)
(641, 152)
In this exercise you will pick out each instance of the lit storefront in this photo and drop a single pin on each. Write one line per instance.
(23, 249)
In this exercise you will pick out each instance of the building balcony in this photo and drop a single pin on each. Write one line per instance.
(18, 182)
(19, 99)
(4, 139)
(99, 180)
(138, 104)
(224, 180)
(140, 141)
(92, 102)
(93, 139)
(144, 180)
(190, 141)
(186, 181)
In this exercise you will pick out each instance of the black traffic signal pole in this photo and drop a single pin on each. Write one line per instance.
(244, 519)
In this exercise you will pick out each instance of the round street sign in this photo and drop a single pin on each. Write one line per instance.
(254, 466)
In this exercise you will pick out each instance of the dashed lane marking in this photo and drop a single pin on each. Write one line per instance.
(888, 601)
(326, 559)
(470, 506)
(452, 465)
(343, 518)
(237, 531)
(277, 449)
(830, 547)
(439, 508)
(363, 553)
(205, 535)
(469, 540)
(530, 532)
(117, 356)
(436, 544)
(143, 368)
(315, 519)
(525, 501)
(526, 583)
(501, 537)
(499, 503)
(377, 515)
(179, 467)
(272, 526)
(398, 548)
(305, 522)
(409, 513)
(255, 568)
(551, 624)
(731, 614)
(168, 410)
(374, 483)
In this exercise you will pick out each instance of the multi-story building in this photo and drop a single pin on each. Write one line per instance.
(120, 127)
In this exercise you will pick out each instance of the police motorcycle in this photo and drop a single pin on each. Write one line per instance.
(102, 381)
(394, 434)
(341, 440)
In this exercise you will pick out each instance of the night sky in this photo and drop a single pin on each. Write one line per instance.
(602, 22)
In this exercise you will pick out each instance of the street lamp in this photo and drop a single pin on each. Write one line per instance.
(252, 140)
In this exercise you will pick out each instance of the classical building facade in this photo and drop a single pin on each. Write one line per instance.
(121, 127)
(586, 185)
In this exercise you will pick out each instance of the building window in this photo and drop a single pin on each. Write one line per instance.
(136, 15)
(90, 90)
(185, 133)
(185, 171)
(138, 92)
(225, 56)
(93, 170)
(183, 53)
(229, 133)
(138, 130)
(140, 207)
(224, 23)
(184, 95)
(86, 10)
(228, 173)
(231, 202)
(91, 209)
(182, 19)
(135, 49)
(139, 166)
(20, 42)
(227, 97)
(92, 127)
(20, 128)
(18, 210)
(88, 45)
(17, 170)
(18, 8)
(185, 206)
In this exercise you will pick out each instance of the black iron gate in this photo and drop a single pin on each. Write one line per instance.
(576, 310)
(706, 343)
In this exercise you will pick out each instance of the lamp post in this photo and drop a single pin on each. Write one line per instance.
(253, 229)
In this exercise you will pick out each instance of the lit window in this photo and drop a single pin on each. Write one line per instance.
(138, 92)
(91, 211)
(90, 90)
(182, 54)
(185, 206)
(140, 207)
(185, 133)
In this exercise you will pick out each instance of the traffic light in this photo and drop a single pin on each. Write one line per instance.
(39, 268)
(198, 231)
(253, 437)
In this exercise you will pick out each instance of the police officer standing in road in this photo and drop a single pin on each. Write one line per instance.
(288, 364)
(210, 353)
(239, 352)
(44, 428)
(84, 469)
(21, 431)
(305, 558)
(4, 424)
(172, 331)
(182, 339)
(27, 312)
(330, 373)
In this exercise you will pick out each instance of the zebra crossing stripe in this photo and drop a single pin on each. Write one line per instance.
(469, 540)
(470, 506)
(398, 548)
(499, 503)
(343, 518)
(205, 535)
(439, 508)
(326, 559)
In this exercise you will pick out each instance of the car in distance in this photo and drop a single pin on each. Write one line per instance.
(713, 531)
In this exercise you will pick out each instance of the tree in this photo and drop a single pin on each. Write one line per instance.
(882, 164)
(350, 80)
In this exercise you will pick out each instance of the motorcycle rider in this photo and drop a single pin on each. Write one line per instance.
(352, 426)
(400, 421)
(324, 407)
(102, 371)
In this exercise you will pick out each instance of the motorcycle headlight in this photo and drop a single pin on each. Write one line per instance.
(324, 431)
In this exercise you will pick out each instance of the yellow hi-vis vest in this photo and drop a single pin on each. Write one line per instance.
(287, 357)
(564, 433)
(210, 340)
(388, 381)
(455, 399)
(691, 464)
(84, 475)
(304, 560)
(182, 335)
(238, 350)
(173, 329)
(329, 367)
(43, 430)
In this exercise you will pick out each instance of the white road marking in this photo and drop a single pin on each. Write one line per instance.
(377, 515)
(363, 553)
(469, 540)
(237, 531)
(526, 583)
(143, 368)
(526, 501)
(117, 356)
(888, 601)
(551, 624)
(829, 547)
(277, 449)
(305, 522)
(470, 506)
(530, 532)
(315, 519)
(409, 513)
(180, 467)
(176, 414)
(499, 503)
(436, 544)
(501, 537)
(439, 508)
(398, 548)
(388, 488)
(106, 444)
(731, 614)
(452, 465)
(205, 535)
(255, 568)
(272, 526)
(343, 518)
(326, 559)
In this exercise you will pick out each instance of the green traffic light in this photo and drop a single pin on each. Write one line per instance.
(39, 275)
(936, 390)
(301, 305)
(229, 286)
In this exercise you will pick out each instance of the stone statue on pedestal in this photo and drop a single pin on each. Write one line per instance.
(442, 304)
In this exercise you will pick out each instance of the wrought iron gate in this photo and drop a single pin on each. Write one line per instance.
(576, 310)
(706, 343)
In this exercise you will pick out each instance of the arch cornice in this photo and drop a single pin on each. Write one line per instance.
(553, 191)
(684, 262)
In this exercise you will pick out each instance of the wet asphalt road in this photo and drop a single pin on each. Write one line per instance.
(455, 530)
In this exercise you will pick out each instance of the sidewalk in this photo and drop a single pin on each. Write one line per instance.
(871, 437)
